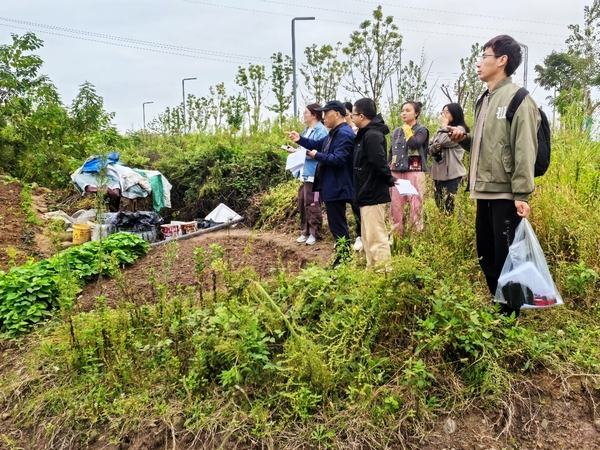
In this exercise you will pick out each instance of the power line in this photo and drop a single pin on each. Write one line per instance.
(262, 12)
(460, 13)
(412, 19)
(121, 45)
(353, 23)
(136, 41)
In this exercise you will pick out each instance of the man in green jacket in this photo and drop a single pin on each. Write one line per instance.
(502, 158)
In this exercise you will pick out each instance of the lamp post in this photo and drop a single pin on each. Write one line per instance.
(294, 59)
(526, 61)
(183, 93)
(144, 112)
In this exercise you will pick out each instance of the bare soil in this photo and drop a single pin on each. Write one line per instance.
(20, 240)
(265, 252)
(542, 413)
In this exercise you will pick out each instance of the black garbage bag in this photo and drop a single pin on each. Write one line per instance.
(137, 221)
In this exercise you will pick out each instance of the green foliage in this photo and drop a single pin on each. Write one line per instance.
(323, 72)
(572, 74)
(41, 140)
(19, 70)
(281, 72)
(278, 206)
(467, 87)
(253, 82)
(27, 206)
(30, 292)
(207, 170)
(324, 357)
(373, 55)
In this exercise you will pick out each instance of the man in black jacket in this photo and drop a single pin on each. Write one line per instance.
(372, 179)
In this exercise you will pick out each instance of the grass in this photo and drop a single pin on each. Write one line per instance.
(324, 359)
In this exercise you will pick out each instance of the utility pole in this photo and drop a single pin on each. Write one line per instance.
(294, 60)
(183, 93)
(144, 112)
(525, 62)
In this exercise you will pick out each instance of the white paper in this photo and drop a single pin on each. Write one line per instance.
(295, 161)
(405, 187)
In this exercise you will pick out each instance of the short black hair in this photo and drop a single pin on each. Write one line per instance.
(366, 107)
(348, 106)
(506, 45)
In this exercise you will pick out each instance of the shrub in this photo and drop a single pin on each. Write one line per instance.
(30, 292)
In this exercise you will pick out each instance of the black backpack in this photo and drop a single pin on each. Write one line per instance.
(542, 160)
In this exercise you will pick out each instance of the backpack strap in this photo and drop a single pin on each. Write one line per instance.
(515, 103)
(481, 99)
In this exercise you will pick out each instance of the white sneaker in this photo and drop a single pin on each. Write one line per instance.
(311, 240)
(301, 239)
(358, 245)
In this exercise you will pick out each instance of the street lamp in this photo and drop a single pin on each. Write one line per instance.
(526, 61)
(183, 92)
(144, 112)
(294, 59)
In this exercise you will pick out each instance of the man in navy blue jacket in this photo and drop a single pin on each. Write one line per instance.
(334, 177)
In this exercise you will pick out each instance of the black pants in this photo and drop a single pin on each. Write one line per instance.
(495, 226)
(336, 218)
(356, 212)
(445, 190)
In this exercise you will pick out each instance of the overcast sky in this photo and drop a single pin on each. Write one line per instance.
(101, 41)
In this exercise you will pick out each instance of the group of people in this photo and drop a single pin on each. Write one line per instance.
(354, 165)
(356, 168)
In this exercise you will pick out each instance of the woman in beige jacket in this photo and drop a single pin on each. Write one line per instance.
(447, 170)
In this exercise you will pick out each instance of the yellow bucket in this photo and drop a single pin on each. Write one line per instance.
(81, 233)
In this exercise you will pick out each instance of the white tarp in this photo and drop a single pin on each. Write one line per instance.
(223, 213)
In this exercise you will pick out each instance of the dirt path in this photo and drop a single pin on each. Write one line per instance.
(20, 240)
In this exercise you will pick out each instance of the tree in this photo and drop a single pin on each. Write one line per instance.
(281, 72)
(412, 83)
(19, 71)
(87, 110)
(33, 121)
(468, 87)
(235, 108)
(559, 72)
(252, 81)
(373, 55)
(171, 120)
(584, 45)
(200, 112)
(411, 87)
(218, 96)
(323, 72)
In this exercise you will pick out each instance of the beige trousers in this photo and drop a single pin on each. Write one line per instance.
(374, 234)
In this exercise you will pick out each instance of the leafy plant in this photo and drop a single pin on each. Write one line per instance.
(30, 292)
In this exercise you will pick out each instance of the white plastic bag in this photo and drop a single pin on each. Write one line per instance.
(525, 281)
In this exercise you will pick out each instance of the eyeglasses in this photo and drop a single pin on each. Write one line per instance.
(485, 56)
(445, 111)
(352, 115)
